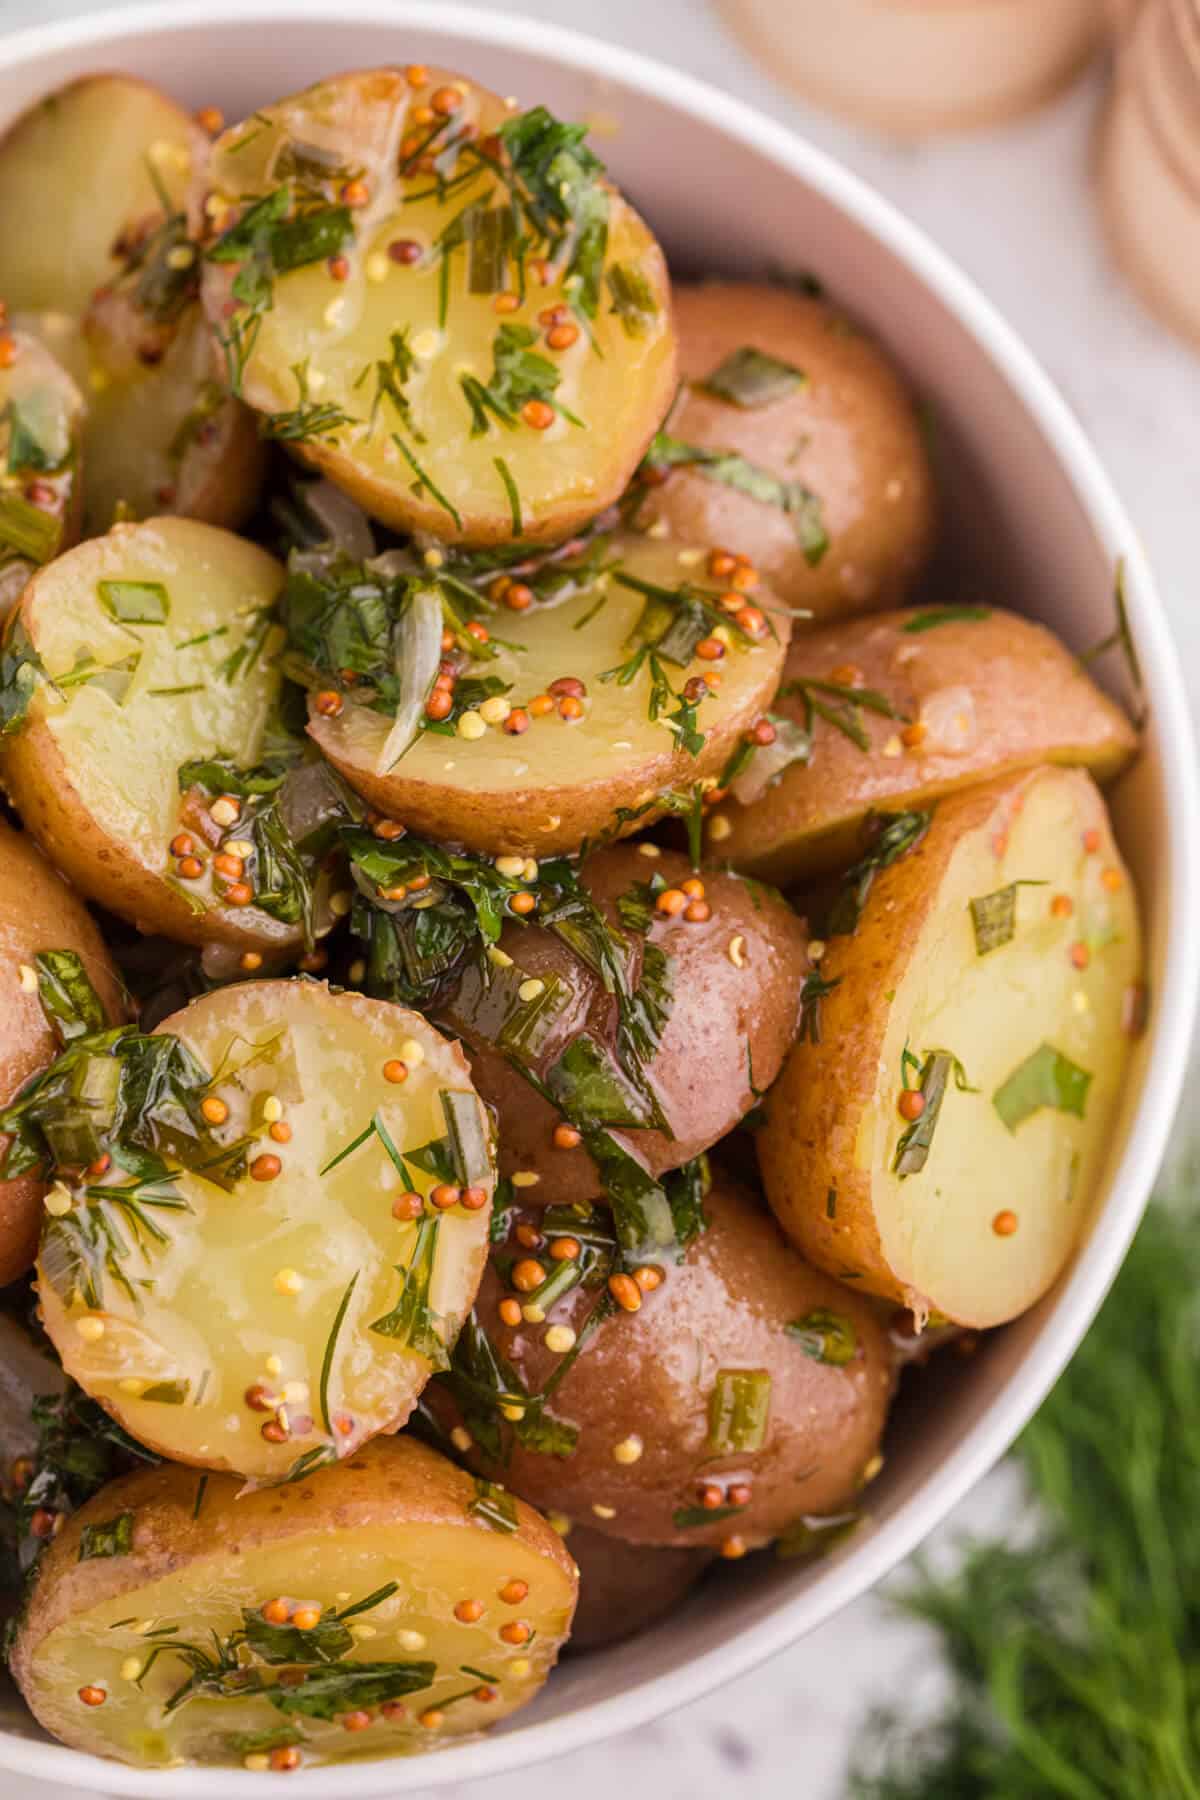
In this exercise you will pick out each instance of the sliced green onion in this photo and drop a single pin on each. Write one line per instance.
(825, 1336)
(738, 1410)
(28, 530)
(135, 602)
(469, 1145)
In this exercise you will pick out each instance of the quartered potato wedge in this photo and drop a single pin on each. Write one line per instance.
(379, 1607)
(573, 719)
(940, 1144)
(898, 709)
(439, 301)
(76, 171)
(288, 1234)
(41, 424)
(131, 658)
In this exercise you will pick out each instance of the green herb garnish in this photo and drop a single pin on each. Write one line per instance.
(412, 1321)
(839, 706)
(895, 835)
(494, 1506)
(801, 505)
(632, 299)
(751, 378)
(945, 615)
(1046, 1078)
(331, 1347)
(28, 531)
(994, 916)
(690, 1518)
(112, 1538)
(135, 602)
(912, 1150)
(738, 1410)
(827, 1337)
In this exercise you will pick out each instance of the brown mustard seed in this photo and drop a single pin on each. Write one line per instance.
(911, 1103)
(407, 1207)
(527, 1275)
(1004, 1223)
(626, 1292)
(467, 1612)
(266, 1167)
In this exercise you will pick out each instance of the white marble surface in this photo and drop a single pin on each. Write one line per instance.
(1013, 206)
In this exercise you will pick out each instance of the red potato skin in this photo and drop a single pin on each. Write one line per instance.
(626, 1588)
(38, 912)
(389, 1476)
(850, 434)
(724, 1022)
(1031, 703)
(649, 1374)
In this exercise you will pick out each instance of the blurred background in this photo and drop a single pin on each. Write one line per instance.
(1029, 148)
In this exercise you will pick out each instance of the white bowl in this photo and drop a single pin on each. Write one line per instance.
(1033, 520)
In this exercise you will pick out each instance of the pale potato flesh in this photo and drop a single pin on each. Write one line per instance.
(37, 392)
(563, 781)
(618, 385)
(222, 1304)
(74, 170)
(437, 1554)
(981, 1231)
(94, 772)
(937, 1227)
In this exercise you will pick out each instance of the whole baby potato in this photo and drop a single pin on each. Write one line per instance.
(745, 1391)
(795, 444)
(732, 964)
(626, 1588)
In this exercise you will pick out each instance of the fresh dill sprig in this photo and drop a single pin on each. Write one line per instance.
(1075, 1657)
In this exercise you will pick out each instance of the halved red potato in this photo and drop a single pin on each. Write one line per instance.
(283, 1287)
(41, 426)
(796, 444)
(38, 913)
(941, 1143)
(626, 1588)
(727, 968)
(578, 746)
(439, 301)
(380, 1607)
(141, 652)
(76, 169)
(903, 708)
(739, 1392)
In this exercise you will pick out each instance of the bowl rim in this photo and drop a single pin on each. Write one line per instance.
(862, 1566)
